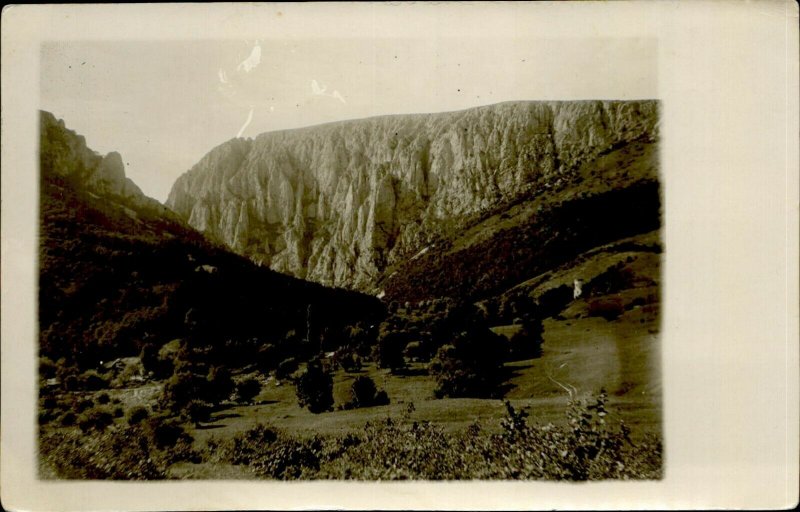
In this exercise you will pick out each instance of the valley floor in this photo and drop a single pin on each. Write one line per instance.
(578, 353)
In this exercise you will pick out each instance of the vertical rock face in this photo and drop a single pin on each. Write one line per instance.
(337, 203)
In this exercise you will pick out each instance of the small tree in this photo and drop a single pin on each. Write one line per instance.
(314, 388)
(199, 411)
(220, 384)
(248, 389)
(137, 414)
(180, 389)
(390, 349)
(149, 358)
(90, 380)
(363, 391)
(95, 419)
(471, 366)
(527, 342)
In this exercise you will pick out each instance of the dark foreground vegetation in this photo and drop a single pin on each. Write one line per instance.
(391, 449)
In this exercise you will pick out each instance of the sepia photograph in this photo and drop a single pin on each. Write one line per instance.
(428, 255)
(243, 276)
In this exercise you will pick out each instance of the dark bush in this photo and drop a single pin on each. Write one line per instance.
(90, 380)
(416, 351)
(181, 388)
(50, 403)
(381, 398)
(167, 432)
(608, 308)
(83, 404)
(554, 300)
(47, 368)
(364, 392)
(471, 366)
(198, 412)
(614, 279)
(70, 383)
(95, 419)
(68, 419)
(137, 414)
(314, 388)
(390, 349)
(149, 358)
(220, 384)
(248, 389)
(527, 342)
(45, 417)
(119, 412)
(103, 398)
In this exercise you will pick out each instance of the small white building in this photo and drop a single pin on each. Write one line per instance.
(577, 288)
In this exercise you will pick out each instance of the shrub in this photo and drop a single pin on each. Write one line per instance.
(167, 432)
(390, 349)
(471, 366)
(614, 279)
(50, 403)
(365, 394)
(47, 368)
(124, 454)
(220, 384)
(68, 419)
(90, 380)
(150, 359)
(95, 419)
(70, 383)
(198, 411)
(119, 412)
(248, 389)
(607, 308)
(415, 351)
(381, 398)
(314, 388)
(527, 342)
(181, 388)
(83, 404)
(45, 417)
(103, 398)
(554, 300)
(137, 414)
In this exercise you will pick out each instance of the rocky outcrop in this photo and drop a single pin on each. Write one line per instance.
(64, 154)
(337, 203)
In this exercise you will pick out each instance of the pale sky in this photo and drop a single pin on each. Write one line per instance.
(163, 105)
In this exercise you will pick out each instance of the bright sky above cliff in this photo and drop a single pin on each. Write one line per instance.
(163, 105)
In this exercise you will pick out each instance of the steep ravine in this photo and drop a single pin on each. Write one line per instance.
(338, 203)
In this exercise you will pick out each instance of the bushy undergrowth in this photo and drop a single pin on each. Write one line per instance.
(139, 452)
(588, 447)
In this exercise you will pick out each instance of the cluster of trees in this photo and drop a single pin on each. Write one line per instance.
(108, 287)
(554, 235)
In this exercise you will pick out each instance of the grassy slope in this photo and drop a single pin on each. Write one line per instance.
(613, 197)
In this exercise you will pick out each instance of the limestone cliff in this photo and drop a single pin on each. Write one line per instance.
(339, 202)
(64, 153)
